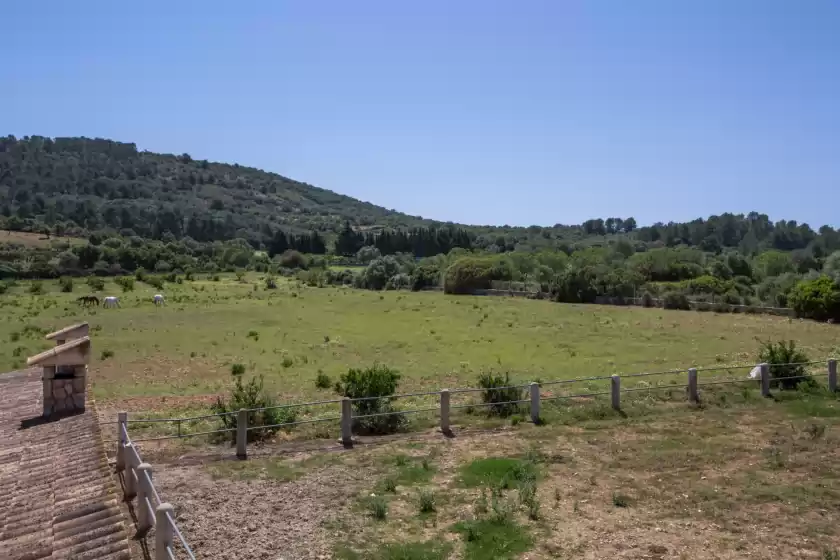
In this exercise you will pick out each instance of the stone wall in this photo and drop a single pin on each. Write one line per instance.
(64, 394)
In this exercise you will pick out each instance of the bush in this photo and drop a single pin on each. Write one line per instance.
(379, 271)
(294, 259)
(817, 299)
(4, 287)
(468, 274)
(270, 283)
(647, 300)
(107, 354)
(323, 381)
(675, 300)
(426, 499)
(140, 274)
(780, 356)
(237, 369)
(380, 382)
(426, 275)
(125, 282)
(36, 288)
(66, 284)
(313, 278)
(96, 284)
(498, 393)
(252, 395)
(378, 508)
(154, 281)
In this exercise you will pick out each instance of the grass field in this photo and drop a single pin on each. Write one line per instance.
(740, 477)
(180, 356)
(37, 239)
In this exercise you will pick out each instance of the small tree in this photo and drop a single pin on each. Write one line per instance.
(66, 284)
(374, 384)
(786, 361)
(499, 393)
(249, 396)
(675, 300)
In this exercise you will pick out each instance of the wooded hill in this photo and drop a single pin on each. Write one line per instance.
(81, 186)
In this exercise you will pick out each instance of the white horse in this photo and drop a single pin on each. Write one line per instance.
(159, 299)
(111, 301)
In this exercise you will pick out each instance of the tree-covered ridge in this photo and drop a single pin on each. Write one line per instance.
(82, 186)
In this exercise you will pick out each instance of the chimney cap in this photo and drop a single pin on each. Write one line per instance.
(66, 330)
(62, 355)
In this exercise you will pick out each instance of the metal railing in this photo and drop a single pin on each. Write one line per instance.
(152, 511)
(531, 393)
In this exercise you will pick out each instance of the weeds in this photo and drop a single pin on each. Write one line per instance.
(620, 500)
(426, 501)
(323, 381)
(106, 354)
(378, 508)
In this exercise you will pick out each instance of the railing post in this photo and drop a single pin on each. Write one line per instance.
(163, 531)
(122, 430)
(765, 380)
(832, 375)
(242, 434)
(346, 422)
(535, 402)
(144, 492)
(693, 394)
(444, 411)
(615, 391)
(129, 480)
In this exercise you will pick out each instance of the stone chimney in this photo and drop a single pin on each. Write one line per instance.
(64, 376)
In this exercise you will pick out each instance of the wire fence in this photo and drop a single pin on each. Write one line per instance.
(594, 386)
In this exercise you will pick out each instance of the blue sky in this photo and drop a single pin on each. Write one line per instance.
(475, 111)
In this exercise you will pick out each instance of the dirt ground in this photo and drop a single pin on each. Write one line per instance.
(749, 479)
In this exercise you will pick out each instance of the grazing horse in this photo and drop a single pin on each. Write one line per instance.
(159, 299)
(88, 300)
(111, 301)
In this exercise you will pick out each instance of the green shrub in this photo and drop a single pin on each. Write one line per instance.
(390, 485)
(270, 283)
(154, 281)
(498, 394)
(252, 395)
(96, 284)
(4, 287)
(125, 282)
(36, 288)
(817, 299)
(140, 274)
(323, 381)
(426, 501)
(106, 354)
(378, 382)
(65, 283)
(293, 259)
(675, 300)
(647, 300)
(780, 356)
(426, 275)
(468, 274)
(287, 362)
(237, 369)
(378, 508)
(620, 500)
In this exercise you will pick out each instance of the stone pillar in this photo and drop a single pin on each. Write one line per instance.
(346, 422)
(534, 390)
(444, 411)
(164, 533)
(693, 393)
(765, 380)
(242, 434)
(832, 375)
(47, 378)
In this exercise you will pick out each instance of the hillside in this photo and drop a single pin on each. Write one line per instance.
(76, 184)
(80, 186)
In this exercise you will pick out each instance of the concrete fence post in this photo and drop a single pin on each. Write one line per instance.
(144, 492)
(129, 474)
(534, 389)
(346, 421)
(765, 380)
(615, 391)
(163, 531)
(242, 434)
(832, 376)
(693, 393)
(444, 411)
(122, 430)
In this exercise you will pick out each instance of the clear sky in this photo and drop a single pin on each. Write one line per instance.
(477, 111)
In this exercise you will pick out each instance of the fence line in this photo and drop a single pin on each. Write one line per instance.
(348, 420)
(141, 486)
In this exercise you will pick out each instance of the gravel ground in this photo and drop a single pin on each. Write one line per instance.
(242, 519)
